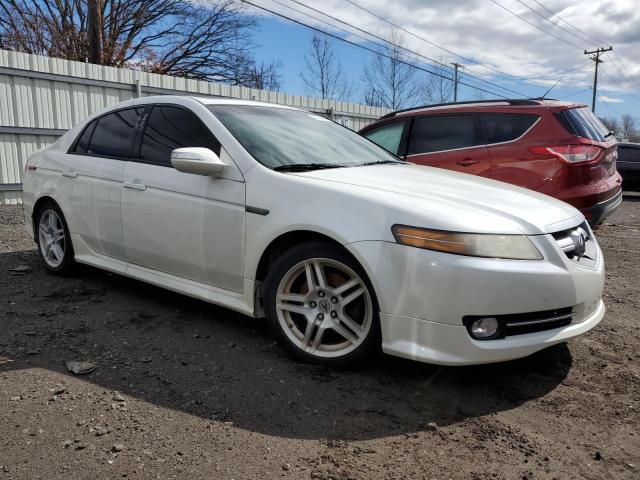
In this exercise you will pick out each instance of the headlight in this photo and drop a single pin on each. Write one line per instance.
(515, 247)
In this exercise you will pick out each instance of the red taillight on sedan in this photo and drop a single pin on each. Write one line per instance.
(569, 153)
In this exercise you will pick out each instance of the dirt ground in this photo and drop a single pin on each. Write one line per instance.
(184, 389)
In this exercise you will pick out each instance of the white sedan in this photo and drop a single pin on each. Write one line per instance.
(280, 213)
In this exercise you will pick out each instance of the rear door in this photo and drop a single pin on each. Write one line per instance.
(451, 141)
(187, 225)
(93, 175)
(508, 135)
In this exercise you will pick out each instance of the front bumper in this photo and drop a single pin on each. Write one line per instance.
(443, 344)
(423, 296)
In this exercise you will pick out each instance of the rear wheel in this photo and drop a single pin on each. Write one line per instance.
(54, 242)
(321, 306)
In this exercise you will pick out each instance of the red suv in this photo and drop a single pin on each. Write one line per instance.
(557, 148)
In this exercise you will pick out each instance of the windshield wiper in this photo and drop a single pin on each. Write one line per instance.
(381, 162)
(304, 167)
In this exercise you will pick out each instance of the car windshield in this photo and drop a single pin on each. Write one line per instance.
(285, 139)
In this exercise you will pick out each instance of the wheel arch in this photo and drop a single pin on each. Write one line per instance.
(297, 237)
(286, 241)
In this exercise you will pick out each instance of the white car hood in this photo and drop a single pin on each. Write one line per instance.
(474, 204)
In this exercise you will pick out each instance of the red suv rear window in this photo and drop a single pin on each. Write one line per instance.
(583, 123)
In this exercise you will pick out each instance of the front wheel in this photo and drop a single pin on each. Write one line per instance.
(321, 306)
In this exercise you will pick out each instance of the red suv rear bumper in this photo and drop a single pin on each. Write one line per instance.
(597, 200)
(602, 210)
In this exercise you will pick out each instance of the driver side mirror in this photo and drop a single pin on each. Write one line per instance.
(197, 160)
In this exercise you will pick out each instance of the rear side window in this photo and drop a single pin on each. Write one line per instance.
(444, 132)
(583, 123)
(504, 127)
(169, 128)
(388, 136)
(113, 133)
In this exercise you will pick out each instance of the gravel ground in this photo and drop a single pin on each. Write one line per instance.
(184, 389)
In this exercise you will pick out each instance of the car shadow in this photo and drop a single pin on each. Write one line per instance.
(183, 354)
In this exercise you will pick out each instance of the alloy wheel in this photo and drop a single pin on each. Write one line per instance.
(324, 307)
(51, 237)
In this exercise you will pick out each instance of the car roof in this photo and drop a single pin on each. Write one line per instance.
(475, 105)
(181, 99)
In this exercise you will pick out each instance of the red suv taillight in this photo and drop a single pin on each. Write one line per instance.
(569, 153)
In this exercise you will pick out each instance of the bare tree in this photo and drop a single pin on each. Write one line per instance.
(628, 126)
(177, 37)
(612, 124)
(265, 76)
(324, 76)
(388, 81)
(439, 88)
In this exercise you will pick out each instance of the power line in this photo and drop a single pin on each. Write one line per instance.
(575, 93)
(536, 26)
(467, 59)
(551, 22)
(616, 60)
(384, 40)
(554, 14)
(607, 104)
(337, 37)
(614, 80)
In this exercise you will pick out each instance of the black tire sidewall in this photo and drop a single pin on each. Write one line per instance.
(68, 258)
(278, 270)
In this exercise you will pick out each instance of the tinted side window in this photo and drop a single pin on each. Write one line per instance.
(628, 154)
(82, 145)
(113, 133)
(446, 132)
(387, 136)
(499, 127)
(169, 128)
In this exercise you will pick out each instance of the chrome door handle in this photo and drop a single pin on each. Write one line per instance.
(135, 185)
(69, 173)
(467, 161)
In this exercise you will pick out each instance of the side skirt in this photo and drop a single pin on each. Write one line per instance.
(240, 302)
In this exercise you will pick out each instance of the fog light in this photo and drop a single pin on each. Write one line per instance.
(484, 327)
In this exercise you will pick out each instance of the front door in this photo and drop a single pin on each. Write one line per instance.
(191, 226)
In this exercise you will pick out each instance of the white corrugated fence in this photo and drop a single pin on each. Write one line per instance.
(42, 97)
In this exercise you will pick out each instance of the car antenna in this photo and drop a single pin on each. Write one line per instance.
(547, 92)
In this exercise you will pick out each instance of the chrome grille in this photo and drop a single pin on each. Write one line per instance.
(578, 244)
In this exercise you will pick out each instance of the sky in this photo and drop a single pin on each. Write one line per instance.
(525, 54)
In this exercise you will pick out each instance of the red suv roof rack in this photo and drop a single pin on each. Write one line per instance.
(517, 101)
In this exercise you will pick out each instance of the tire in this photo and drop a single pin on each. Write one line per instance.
(336, 322)
(53, 239)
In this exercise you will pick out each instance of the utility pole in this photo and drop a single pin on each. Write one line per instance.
(595, 56)
(94, 32)
(455, 80)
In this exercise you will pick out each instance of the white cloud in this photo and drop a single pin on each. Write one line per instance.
(484, 32)
(610, 99)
